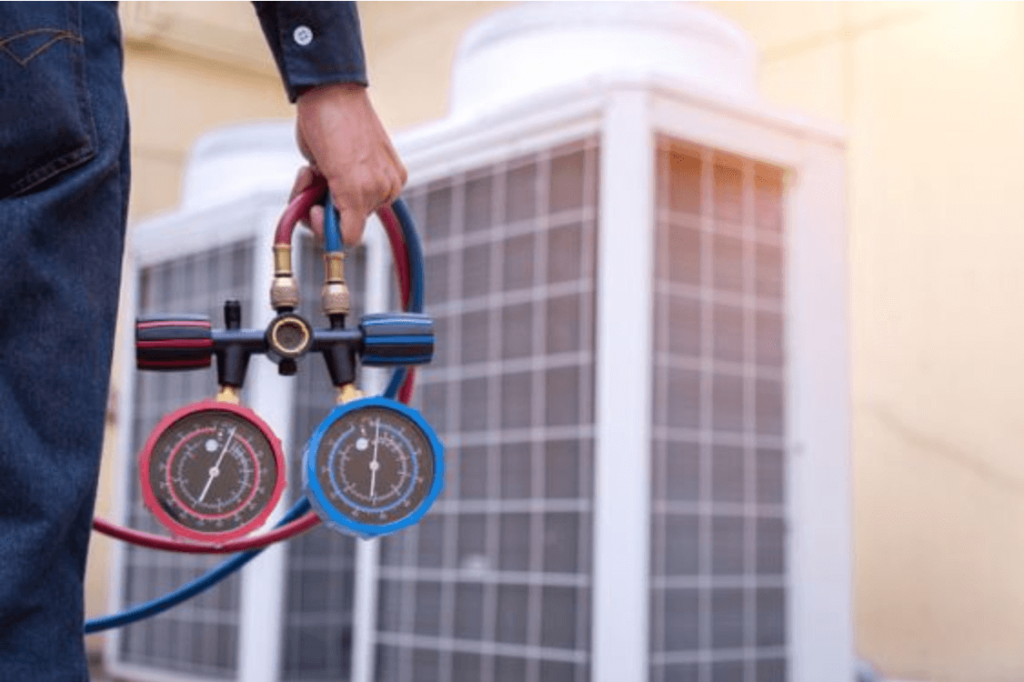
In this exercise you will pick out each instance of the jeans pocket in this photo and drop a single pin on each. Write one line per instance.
(46, 123)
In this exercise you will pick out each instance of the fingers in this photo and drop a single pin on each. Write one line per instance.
(358, 195)
(354, 202)
(352, 225)
(339, 129)
(355, 197)
(316, 221)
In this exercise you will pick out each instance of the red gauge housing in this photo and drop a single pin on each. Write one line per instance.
(212, 471)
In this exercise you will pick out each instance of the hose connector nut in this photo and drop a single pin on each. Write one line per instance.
(284, 292)
(335, 299)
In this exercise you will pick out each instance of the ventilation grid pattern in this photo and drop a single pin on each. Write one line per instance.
(495, 584)
(718, 573)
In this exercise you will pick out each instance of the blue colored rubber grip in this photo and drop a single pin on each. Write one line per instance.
(392, 339)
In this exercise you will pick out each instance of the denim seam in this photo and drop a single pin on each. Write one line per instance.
(58, 35)
(66, 162)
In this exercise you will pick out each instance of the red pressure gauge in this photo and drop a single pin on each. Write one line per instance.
(212, 471)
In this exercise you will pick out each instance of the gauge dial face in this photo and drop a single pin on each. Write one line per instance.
(375, 466)
(212, 473)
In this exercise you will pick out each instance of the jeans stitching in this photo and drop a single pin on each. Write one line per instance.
(58, 35)
(62, 163)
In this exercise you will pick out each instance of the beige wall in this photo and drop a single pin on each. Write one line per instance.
(190, 67)
(932, 96)
(933, 101)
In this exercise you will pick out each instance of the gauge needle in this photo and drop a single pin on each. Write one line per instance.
(374, 465)
(215, 469)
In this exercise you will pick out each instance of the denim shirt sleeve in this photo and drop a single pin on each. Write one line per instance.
(314, 43)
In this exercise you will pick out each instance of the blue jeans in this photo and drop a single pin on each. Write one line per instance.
(64, 169)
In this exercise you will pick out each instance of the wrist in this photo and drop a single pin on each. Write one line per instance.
(327, 88)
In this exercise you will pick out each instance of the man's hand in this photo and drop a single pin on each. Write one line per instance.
(339, 133)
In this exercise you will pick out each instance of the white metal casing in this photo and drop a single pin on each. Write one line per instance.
(819, 551)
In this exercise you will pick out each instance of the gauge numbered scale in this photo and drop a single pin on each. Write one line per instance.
(372, 467)
(212, 471)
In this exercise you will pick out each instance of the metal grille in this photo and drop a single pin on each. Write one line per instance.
(718, 574)
(199, 637)
(320, 573)
(495, 584)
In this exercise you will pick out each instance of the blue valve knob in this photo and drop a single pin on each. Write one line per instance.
(391, 339)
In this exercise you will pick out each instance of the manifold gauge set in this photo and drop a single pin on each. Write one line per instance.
(213, 471)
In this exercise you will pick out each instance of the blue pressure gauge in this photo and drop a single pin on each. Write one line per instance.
(372, 467)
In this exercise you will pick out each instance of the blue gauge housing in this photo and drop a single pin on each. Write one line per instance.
(373, 466)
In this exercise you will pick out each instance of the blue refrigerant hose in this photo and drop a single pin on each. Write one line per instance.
(416, 286)
(332, 238)
(189, 589)
(332, 230)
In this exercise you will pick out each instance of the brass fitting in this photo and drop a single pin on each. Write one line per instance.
(289, 336)
(229, 394)
(282, 259)
(334, 296)
(347, 394)
(284, 291)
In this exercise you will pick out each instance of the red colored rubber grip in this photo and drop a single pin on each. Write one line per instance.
(173, 343)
